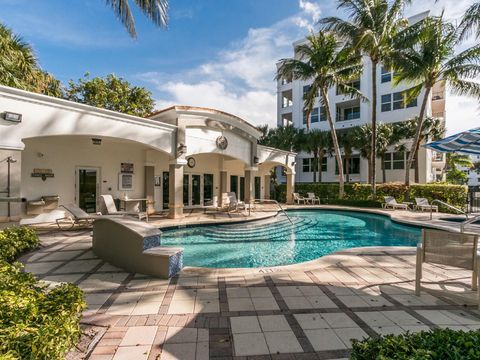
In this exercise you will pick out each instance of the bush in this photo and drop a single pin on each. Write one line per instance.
(16, 240)
(441, 344)
(360, 194)
(35, 322)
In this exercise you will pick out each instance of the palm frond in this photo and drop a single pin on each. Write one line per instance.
(470, 23)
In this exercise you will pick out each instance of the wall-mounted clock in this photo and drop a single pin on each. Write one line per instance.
(191, 162)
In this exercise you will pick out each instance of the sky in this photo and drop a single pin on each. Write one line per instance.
(214, 53)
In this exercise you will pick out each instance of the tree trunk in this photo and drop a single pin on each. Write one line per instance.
(315, 164)
(416, 139)
(347, 168)
(384, 175)
(417, 168)
(369, 165)
(321, 154)
(374, 129)
(336, 146)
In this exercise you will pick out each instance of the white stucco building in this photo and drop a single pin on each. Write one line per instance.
(180, 157)
(348, 113)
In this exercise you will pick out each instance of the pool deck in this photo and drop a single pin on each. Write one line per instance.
(303, 311)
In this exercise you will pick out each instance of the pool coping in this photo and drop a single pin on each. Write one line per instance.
(316, 263)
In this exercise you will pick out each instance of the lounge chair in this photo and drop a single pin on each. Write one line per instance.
(77, 217)
(234, 203)
(111, 209)
(391, 203)
(44, 218)
(423, 204)
(297, 198)
(312, 198)
(451, 249)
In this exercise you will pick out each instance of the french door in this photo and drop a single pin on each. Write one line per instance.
(87, 188)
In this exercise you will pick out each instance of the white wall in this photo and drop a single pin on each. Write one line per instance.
(63, 154)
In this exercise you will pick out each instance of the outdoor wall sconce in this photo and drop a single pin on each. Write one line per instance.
(182, 149)
(294, 163)
(96, 141)
(255, 159)
(13, 117)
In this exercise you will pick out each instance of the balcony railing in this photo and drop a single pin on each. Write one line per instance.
(440, 114)
(352, 116)
(438, 95)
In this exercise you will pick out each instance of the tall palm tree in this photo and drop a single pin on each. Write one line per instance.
(424, 56)
(325, 61)
(385, 138)
(371, 27)
(346, 138)
(471, 22)
(155, 10)
(317, 142)
(362, 141)
(18, 64)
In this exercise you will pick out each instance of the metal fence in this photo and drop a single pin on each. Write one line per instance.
(474, 199)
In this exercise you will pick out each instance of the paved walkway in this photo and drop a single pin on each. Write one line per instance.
(308, 311)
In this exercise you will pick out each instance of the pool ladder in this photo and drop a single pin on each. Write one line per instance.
(462, 225)
(279, 206)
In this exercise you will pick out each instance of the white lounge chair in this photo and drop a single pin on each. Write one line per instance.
(297, 198)
(423, 204)
(391, 203)
(111, 208)
(75, 216)
(312, 198)
(44, 218)
(451, 249)
(234, 203)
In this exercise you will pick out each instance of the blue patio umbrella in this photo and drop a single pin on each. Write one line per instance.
(466, 142)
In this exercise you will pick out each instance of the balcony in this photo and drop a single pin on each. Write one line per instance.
(438, 95)
(287, 119)
(348, 110)
(287, 98)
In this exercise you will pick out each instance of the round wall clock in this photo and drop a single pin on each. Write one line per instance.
(191, 162)
(222, 142)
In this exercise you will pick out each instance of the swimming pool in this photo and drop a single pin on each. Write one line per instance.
(276, 241)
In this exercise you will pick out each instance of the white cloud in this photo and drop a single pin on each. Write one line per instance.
(462, 114)
(240, 79)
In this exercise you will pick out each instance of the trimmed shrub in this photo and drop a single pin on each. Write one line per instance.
(438, 344)
(358, 194)
(35, 322)
(16, 240)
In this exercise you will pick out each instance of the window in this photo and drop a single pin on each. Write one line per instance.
(354, 165)
(396, 160)
(352, 113)
(386, 75)
(398, 102)
(306, 89)
(314, 115)
(355, 84)
(310, 165)
(323, 113)
(386, 102)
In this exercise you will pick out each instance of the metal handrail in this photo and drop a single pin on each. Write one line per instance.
(448, 206)
(468, 221)
(278, 204)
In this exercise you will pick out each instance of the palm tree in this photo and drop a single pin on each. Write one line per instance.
(386, 137)
(18, 65)
(326, 62)
(362, 141)
(425, 56)
(372, 26)
(155, 10)
(316, 142)
(454, 175)
(346, 139)
(471, 22)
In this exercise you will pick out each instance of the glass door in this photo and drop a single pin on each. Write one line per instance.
(234, 184)
(165, 189)
(186, 190)
(196, 190)
(207, 189)
(242, 189)
(257, 187)
(87, 188)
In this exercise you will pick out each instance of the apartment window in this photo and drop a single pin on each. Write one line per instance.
(355, 84)
(324, 164)
(354, 165)
(398, 102)
(386, 102)
(310, 165)
(386, 75)
(314, 115)
(323, 113)
(352, 113)
(285, 81)
(394, 160)
(306, 89)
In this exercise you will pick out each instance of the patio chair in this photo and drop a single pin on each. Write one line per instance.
(44, 218)
(312, 198)
(77, 217)
(235, 204)
(297, 198)
(448, 248)
(423, 204)
(111, 209)
(391, 203)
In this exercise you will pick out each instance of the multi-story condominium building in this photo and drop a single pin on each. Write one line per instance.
(348, 113)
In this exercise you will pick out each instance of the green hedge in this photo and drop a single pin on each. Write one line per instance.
(35, 322)
(438, 344)
(358, 194)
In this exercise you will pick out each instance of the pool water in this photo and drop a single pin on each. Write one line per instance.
(276, 241)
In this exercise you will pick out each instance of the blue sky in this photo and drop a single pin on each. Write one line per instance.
(215, 53)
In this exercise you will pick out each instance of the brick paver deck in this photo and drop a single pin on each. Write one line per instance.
(307, 311)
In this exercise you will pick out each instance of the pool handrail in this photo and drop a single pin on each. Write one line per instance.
(448, 206)
(468, 221)
(279, 206)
